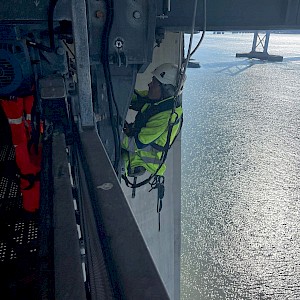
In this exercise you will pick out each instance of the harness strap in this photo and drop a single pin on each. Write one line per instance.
(162, 160)
(150, 160)
(142, 118)
(160, 148)
(31, 178)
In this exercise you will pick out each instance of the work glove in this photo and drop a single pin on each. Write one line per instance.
(129, 129)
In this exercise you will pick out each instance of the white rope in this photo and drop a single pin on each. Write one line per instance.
(182, 70)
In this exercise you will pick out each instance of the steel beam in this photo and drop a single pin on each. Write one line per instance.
(126, 254)
(234, 15)
(69, 281)
(80, 32)
(176, 14)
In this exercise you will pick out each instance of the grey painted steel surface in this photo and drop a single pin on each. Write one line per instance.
(98, 277)
(123, 81)
(45, 234)
(235, 15)
(80, 32)
(133, 31)
(137, 274)
(164, 246)
(100, 281)
(221, 14)
(69, 283)
(175, 174)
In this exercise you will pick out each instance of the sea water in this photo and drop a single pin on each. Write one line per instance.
(241, 171)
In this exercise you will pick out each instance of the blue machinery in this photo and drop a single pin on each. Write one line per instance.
(83, 57)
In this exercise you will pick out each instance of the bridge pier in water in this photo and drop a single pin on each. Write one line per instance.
(264, 43)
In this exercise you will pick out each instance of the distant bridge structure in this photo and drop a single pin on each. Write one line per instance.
(262, 42)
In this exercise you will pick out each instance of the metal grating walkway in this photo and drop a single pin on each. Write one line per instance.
(18, 235)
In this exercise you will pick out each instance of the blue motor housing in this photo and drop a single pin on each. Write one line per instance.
(15, 69)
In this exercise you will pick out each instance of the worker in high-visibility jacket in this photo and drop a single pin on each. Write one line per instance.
(145, 140)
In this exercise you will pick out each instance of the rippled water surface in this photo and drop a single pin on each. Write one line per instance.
(241, 172)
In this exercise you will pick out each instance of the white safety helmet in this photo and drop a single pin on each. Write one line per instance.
(168, 74)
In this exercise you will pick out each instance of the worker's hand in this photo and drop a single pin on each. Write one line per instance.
(129, 129)
(125, 127)
(138, 102)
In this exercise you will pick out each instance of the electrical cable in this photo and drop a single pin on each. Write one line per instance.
(107, 75)
(199, 43)
(204, 29)
(185, 62)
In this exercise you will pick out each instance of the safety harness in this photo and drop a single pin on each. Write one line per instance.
(141, 119)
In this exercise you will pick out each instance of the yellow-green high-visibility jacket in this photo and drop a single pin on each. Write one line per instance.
(151, 128)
